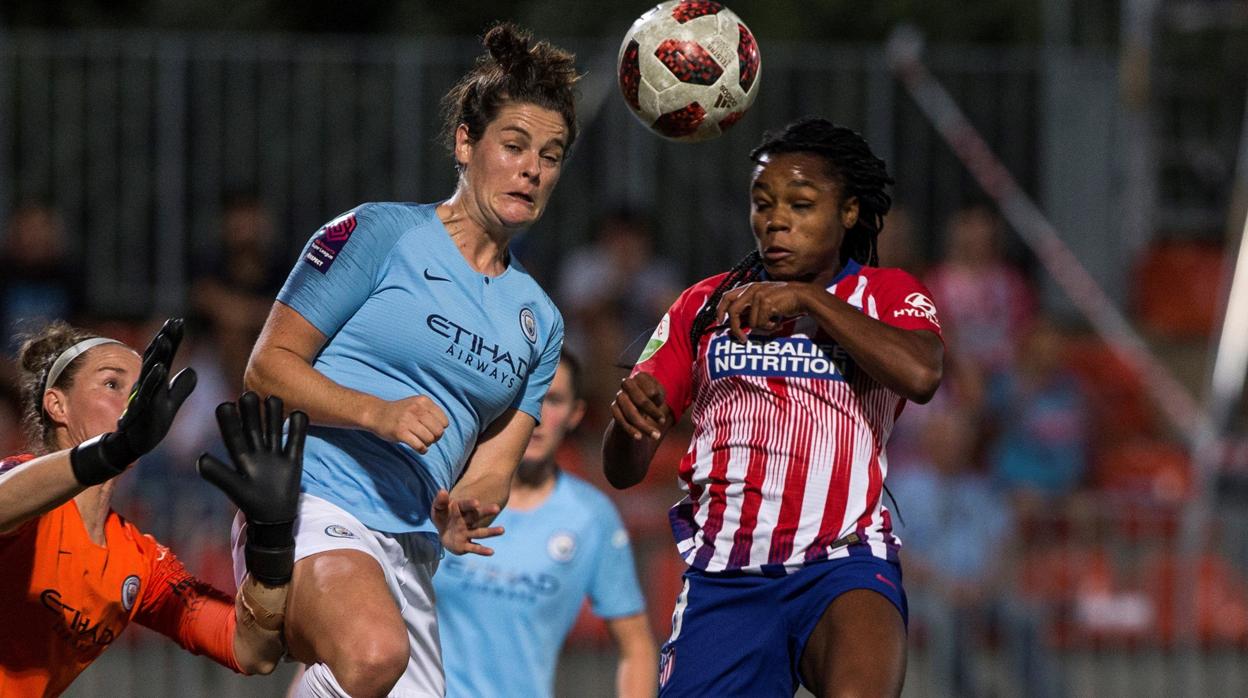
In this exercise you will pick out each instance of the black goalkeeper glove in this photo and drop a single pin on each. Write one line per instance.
(149, 412)
(263, 480)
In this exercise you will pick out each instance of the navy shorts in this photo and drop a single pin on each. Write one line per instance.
(743, 635)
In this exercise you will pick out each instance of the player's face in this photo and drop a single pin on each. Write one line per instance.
(512, 170)
(95, 401)
(561, 412)
(799, 217)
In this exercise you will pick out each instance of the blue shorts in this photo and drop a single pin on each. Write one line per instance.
(743, 635)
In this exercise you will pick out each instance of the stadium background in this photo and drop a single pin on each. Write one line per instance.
(129, 129)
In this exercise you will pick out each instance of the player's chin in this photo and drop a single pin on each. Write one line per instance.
(782, 270)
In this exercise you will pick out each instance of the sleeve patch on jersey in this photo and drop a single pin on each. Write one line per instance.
(326, 246)
(657, 340)
(919, 306)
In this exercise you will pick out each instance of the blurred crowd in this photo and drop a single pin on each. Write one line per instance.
(1039, 496)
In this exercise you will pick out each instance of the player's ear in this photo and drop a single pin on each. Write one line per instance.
(463, 146)
(849, 212)
(578, 413)
(56, 406)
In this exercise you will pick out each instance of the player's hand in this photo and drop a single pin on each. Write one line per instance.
(262, 479)
(459, 523)
(416, 421)
(762, 305)
(149, 413)
(640, 407)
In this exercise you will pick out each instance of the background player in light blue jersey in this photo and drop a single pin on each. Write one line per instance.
(564, 541)
(421, 352)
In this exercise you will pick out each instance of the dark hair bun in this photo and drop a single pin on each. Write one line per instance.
(508, 46)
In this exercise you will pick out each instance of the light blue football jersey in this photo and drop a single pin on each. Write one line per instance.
(503, 618)
(404, 314)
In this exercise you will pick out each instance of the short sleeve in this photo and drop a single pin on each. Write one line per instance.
(904, 302)
(668, 356)
(338, 268)
(614, 591)
(538, 381)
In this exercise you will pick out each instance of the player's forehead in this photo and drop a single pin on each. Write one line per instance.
(532, 121)
(110, 357)
(775, 171)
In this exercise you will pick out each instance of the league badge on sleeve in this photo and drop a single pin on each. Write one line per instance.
(326, 246)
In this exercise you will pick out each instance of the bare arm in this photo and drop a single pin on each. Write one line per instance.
(908, 362)
(281, 364)
(640, 418)
(638, 671)
(487, 477)
(36, 487)
(466, 512)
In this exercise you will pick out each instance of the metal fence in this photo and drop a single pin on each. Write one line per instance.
(135, 137)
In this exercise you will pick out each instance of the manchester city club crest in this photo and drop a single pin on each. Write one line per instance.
(129, 592)
(528, 325)
(561, 547)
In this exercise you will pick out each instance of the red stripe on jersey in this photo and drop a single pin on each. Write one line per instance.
(755, 476)
(796, 471)
(787, 450)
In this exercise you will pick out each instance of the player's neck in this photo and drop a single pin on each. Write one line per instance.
(92, 506)
(485, 251)
(532, 485)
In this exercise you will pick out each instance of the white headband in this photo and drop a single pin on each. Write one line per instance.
(67, 357)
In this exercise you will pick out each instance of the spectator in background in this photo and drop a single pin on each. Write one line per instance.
(564, 542)
(610, 293)
(1039, 446)
(985, 300)
(40, 281)
(897, 245)
(234, 293)
(957, 531)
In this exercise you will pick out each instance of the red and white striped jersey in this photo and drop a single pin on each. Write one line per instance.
(787, 454)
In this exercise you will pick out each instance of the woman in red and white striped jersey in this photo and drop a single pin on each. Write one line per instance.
(796, 364)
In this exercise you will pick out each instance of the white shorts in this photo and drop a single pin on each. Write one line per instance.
(408, 561)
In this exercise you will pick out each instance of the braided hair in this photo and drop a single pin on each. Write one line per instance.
(858, 171)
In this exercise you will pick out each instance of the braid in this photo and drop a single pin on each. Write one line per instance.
(745, 271)
(860, 172)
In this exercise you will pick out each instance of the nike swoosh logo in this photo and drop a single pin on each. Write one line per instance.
(431, 277)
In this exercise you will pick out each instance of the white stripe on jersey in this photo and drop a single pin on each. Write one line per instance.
(816, 437)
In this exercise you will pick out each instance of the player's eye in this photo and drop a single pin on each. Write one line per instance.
(760, 205)
(112, 384)
(802, 204)
(511, 147)
(552, 158)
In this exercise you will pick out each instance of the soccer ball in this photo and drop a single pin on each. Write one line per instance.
(689, 69)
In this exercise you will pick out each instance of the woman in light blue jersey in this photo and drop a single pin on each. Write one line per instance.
(421, 352)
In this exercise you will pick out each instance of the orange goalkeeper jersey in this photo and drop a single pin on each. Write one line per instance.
(64, 599)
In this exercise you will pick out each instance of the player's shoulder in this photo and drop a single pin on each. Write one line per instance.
(890, 278)
(693, 298)
(579, 493)
(13, 461)
(397, 218)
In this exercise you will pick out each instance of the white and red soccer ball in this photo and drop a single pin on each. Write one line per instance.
(689, 69)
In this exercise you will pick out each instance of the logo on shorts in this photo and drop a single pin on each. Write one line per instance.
(338, 531)
(528, 325)
(129, 592)
(667, 661)
(561, 546)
